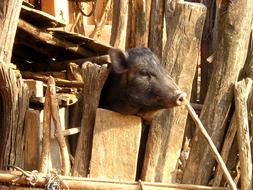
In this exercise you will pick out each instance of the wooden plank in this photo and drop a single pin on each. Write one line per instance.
(39, 18)
(31, 139)
(116, 141)
(35, 87)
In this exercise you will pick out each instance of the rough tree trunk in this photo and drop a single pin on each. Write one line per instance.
(155, 42)
(9, 13)
(229, 59)
(94, 77)
(119, 23)
(137, 29)
(181, 57)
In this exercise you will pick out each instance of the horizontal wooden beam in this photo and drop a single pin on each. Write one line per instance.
(89, 184)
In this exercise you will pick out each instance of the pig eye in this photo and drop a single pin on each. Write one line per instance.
(145, 74)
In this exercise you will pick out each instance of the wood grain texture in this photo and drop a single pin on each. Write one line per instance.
(116, 141)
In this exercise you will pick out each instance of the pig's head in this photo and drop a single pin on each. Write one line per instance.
(144, 84)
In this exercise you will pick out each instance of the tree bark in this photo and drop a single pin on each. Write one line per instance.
(181, 54)
(242, 90)
(137, 29)
(9, 14)
(119, 23)
(155, 42)
(14, 101)
(229, 59)
(94, 77)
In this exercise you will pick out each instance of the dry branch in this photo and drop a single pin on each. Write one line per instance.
(99, 26)
(242, 90)
(94, 77)
(58, 130)
(46, 134)
(211, 144)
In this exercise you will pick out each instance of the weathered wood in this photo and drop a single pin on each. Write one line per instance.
(242, 90)
(166, 132)
(91, 184)
(44, 158)
(119, 23)
(207, 48)
(96, 33)
(14, 98)
(10, 10)
(229, 59)
(138, 27)
(58, 81)
(155, 40)
(39, 35)
(39, 18)
(94, 77)
(32, 140)
(117, 138)
(211, 145)
(58, 130)
(35, 87)
(74, 72)
(58, 66)
(227, 144)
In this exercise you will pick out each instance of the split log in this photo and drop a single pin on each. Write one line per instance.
(32, 140)
(14, 98)
(119, 23)
(138, 27)
(155, 40)
(58, 130)
(242, 90)
(166, 131)
(229, 59)
(58, 81)
(91, 184)
(10, 10)
(38, 35)
(44, 158)
(94, 77)
(117, 138)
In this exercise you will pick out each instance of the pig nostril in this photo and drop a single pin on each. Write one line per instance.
(180, 99)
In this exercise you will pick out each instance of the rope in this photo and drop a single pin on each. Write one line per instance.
(31, 177)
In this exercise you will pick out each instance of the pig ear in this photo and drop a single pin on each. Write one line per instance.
(118, 60)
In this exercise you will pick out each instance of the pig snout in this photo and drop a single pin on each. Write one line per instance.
(180, 98)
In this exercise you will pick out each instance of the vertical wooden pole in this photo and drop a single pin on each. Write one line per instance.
(233, 38)
(9, 10)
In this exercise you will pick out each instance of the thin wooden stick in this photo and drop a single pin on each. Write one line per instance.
(58, 130)
(46, 134)
(90, 184)
(242, 90)
(211, 144)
